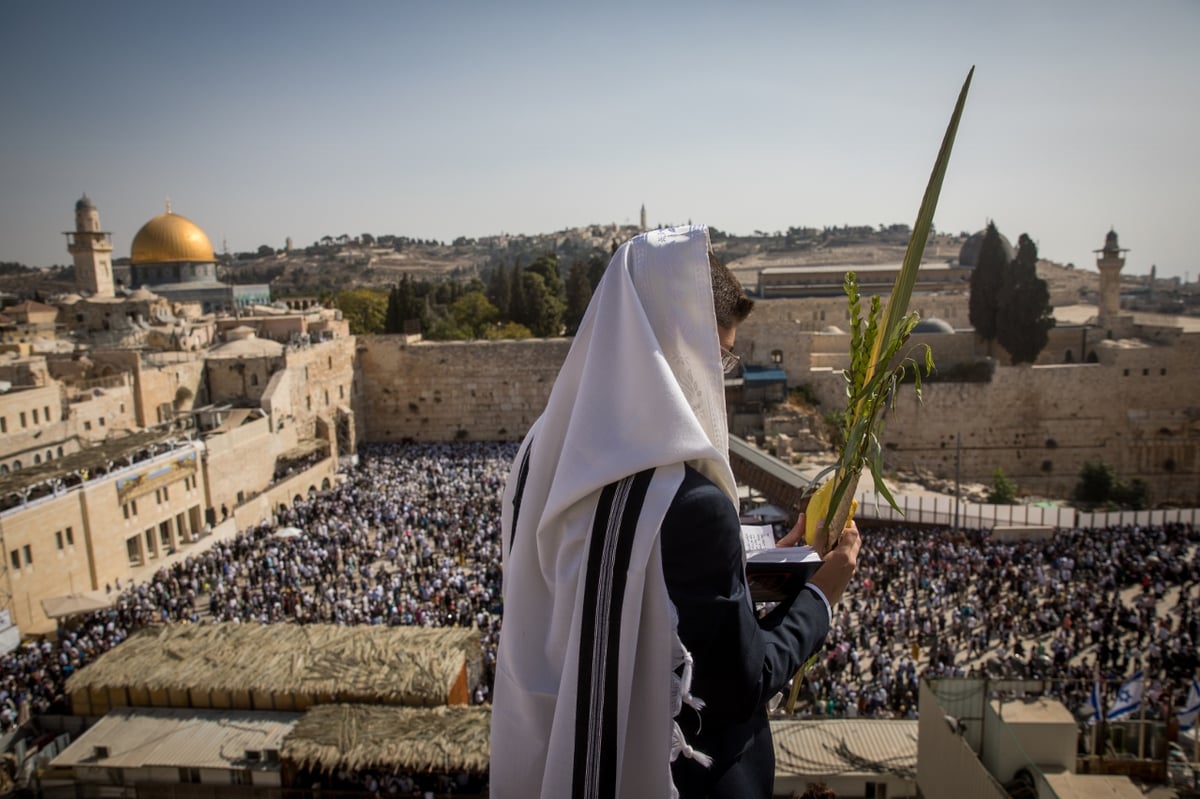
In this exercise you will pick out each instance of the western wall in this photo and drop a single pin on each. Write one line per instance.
(1132, 409)
(443, 391)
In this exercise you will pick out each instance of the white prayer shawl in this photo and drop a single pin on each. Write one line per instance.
(583, 703)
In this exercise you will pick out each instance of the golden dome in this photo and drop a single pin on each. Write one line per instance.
(170, 238)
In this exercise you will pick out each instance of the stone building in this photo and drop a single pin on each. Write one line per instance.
(116, 459)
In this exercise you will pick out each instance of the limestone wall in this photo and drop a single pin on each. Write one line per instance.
(240, 380)
(1041, 424)
(164, 382)
(322, 381)
(439, 391)
(240, 463)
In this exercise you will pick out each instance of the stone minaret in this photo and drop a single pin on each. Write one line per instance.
(1111, 259)
(643, 217)
(92, 248)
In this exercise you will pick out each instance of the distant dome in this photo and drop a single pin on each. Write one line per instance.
(71, 299)
(250, 347)
(142, 294)
(170, 238)
(969, 254)
(85, 203)
(933, 326)
(833, 330)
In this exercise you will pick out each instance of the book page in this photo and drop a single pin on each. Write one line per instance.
(757, 537)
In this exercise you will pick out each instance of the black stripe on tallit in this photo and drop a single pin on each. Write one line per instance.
(613, 531)
(522, 474)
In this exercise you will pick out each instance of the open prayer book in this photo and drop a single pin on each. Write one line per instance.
(775, 573)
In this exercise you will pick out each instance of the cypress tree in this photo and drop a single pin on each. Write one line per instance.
(1023, 320)
(986, 279)
(579, 293)
(517, 304)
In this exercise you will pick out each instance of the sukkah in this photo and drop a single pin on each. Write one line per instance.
(280, 667)
(391, 739)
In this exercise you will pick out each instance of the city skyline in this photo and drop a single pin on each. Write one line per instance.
(267, 121)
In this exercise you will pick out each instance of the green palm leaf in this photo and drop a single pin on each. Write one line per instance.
(872, 380)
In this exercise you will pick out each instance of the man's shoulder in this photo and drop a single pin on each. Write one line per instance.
(697, 488)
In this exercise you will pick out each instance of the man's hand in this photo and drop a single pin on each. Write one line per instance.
(840, 564)
(795, 536)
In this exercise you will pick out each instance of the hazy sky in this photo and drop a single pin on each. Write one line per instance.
(263, 120)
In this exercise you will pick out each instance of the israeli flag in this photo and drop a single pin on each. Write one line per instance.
(1094, 701)
(1129, 699)
(1191, 708)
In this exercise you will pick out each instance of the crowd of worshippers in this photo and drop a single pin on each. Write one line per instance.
(398, 784)
(1080, 606)
(410, 537)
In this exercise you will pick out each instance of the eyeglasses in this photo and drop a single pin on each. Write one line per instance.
(729, 361)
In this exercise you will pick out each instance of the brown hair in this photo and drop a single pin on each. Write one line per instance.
(729, 299)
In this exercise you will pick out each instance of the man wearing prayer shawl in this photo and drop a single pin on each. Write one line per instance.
(631, 661)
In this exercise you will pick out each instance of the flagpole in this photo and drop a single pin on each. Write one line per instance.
(1195, 730)
(1103, 721)
(1142, 720)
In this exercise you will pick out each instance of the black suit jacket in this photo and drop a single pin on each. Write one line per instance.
(740, 660)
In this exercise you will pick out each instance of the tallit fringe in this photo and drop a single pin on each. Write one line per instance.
(680, 747)
(681, 694)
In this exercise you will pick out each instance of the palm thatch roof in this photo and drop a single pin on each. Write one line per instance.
(387, 665)
(360, 737)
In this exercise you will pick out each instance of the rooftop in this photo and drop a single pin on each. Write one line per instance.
(146, 737)
(113, 453)
(1037, 710)
(816, 747)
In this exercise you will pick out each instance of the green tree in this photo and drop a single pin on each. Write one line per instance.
(1003, 490)
(1096, 483)
(547, 267)
(1134, 496)
(500, 290)
(473, 313)
(543, 308)
(394, 318)
(364, 309)
(517, 300)
(406, 303)
(986, 279)
(446, 328)
(446, 292)
(579, 293)
(596, 266)
(1023, 320)
(508, 330)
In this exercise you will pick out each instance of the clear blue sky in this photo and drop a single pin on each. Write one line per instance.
(263, 120)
